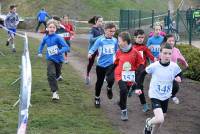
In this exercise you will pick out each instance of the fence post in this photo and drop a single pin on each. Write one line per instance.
(168, 20)
(190, 26)
(177, 20)
(152, 20)
(139, 18)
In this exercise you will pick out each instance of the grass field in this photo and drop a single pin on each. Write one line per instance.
(73, 114)
(83, 9)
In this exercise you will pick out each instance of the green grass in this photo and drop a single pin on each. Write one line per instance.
(83, 9)
(73, 114)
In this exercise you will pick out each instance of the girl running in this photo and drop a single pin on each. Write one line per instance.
(176, 57)
(56, 46)
(155, 41)
(107, 47)
(68, 35)
(128, 62)
(95, 33)
(163, 72)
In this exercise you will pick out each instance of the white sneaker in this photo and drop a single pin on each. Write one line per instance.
(66, 61)
(55, 96)
(60, 78)
(175, 100)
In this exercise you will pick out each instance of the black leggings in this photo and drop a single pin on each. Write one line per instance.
(39, 23)
(101, 73)
(175, 88)
(91, 62)
(123, 94)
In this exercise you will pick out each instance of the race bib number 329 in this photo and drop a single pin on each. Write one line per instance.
(52, 50)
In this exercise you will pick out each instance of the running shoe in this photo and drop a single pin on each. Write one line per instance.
(97, 102)
(109, 93)
(87, 80)
(145, 108)
(55, 96)
(147, 128)
(124, 115)
(60, 78)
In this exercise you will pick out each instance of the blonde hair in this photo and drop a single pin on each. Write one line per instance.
(52, 21)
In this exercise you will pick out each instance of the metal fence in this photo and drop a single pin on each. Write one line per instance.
(25, 85)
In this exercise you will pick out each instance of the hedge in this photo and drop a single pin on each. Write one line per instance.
(192, 56)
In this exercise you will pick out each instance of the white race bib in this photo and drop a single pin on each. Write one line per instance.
(64, 35)
(155, 48)
(52, 50)
(142, 53)
(164, 87)
(108, 49)
(128, 75)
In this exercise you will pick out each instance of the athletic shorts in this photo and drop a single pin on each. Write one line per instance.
(13, 31)
(160, 104)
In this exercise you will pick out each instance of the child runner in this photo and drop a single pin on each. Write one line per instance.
(41, 18)
(163, 72)
(128, 61)
(56, 46)
(162, 33)
(155, 41)
(146, 53)
(95, 33)
(107, 47)
(176, 57)
(11, 22)
(69, 34)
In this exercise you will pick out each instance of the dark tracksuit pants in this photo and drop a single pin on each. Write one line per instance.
(175, 88)
(39, 23)
(124, 88)
(53, 72)
(101, 72)
(91, 62)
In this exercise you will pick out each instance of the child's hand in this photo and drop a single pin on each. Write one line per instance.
(39, 55)
(178, 79)
(138, 91)
(155, 59)
(89, 56)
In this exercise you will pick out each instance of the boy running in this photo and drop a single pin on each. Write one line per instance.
(163, 72)
(176, 57)
(107, 47)
(128, 62)
(11, 22)
(56, 46)
(146, 54)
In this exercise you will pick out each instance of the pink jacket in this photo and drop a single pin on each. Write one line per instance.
(178, 57)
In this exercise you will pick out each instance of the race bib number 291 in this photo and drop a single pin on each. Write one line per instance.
(52, 50)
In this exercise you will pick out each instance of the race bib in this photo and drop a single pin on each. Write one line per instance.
(155, 48)
(108, 49)
(164, 87)
(64, 35)
(52, 50)
(128, 75)
(142, 53)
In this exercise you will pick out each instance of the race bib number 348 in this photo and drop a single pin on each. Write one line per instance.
(52, 50)
(128, 75)
(164, 87)
(108, 49)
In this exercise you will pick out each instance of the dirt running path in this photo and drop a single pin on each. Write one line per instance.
(182, 119)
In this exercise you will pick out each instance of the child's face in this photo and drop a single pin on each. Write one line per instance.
(99, 22)
(109, 33)
(122, 43)
(14, 10)
(171, 41)
(157, 30)
(165, 55)
(51, 28)
(140, 39)
(66, 19)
